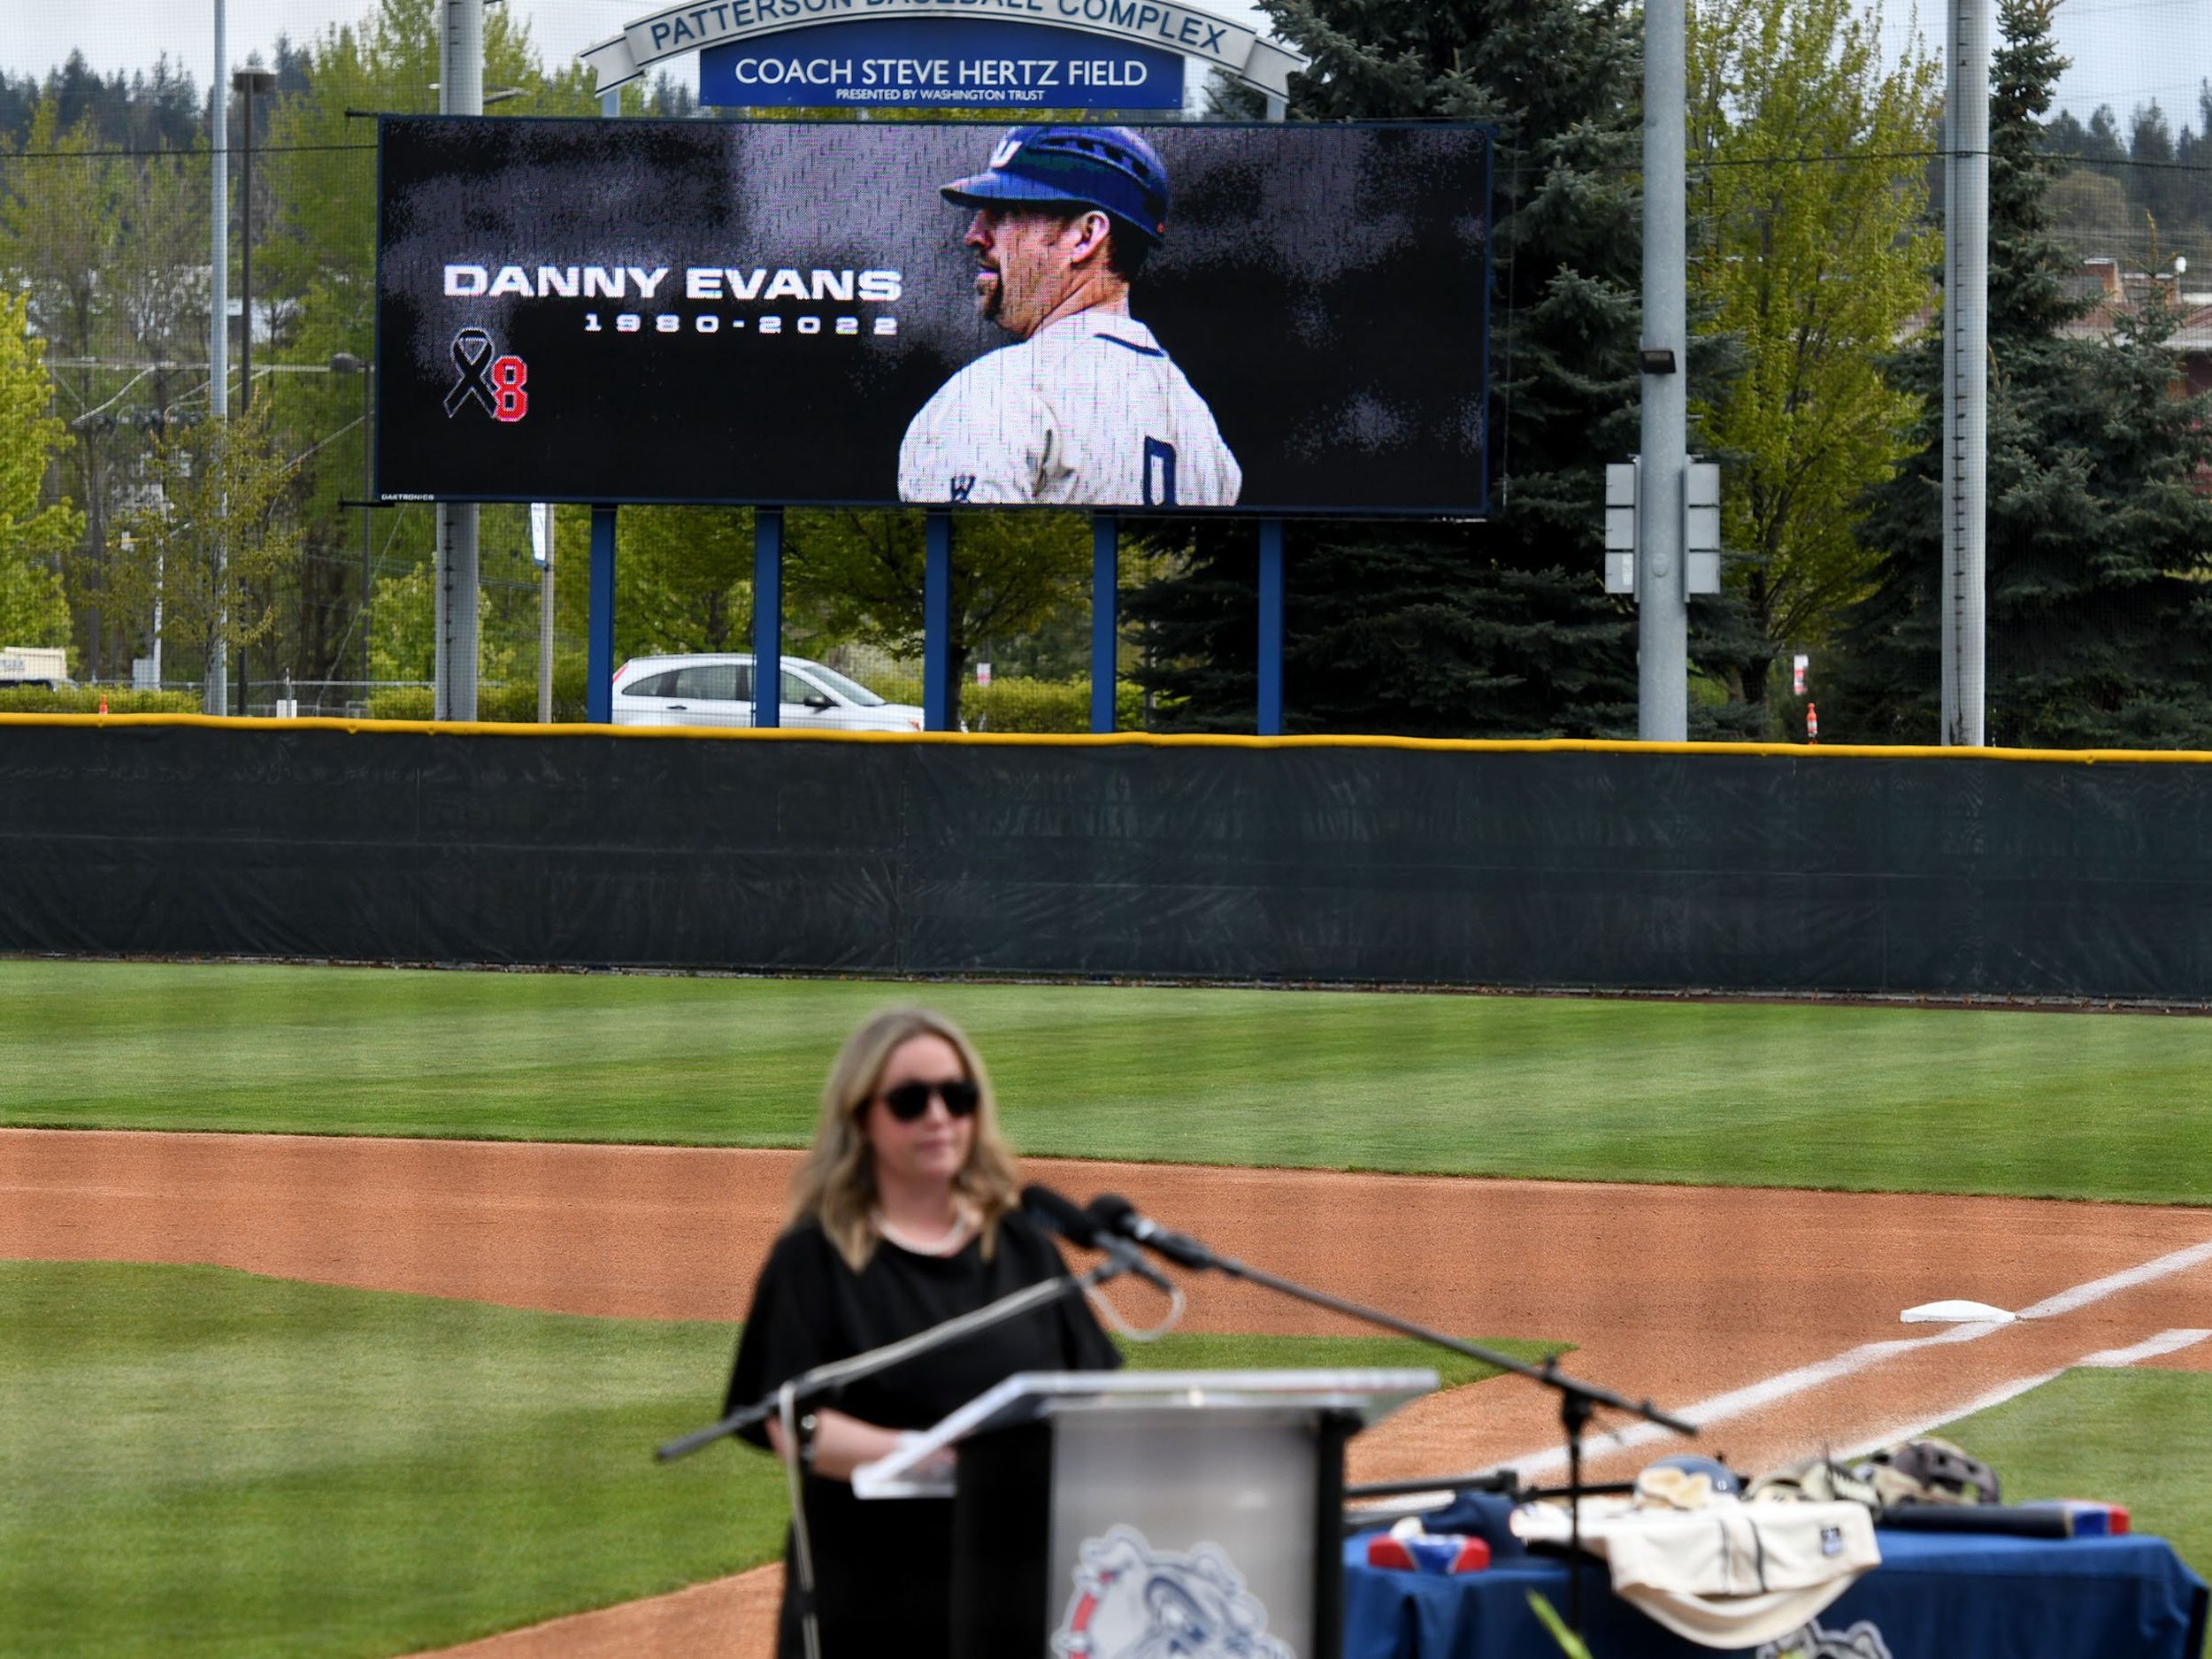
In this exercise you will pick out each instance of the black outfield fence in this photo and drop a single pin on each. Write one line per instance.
(1735, 870)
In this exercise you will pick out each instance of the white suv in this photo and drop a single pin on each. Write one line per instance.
(717, 690)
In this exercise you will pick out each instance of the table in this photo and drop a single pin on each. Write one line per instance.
(1935, 1596)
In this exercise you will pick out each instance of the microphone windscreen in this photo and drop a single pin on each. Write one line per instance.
(1112, 1211)
(1060, 1215)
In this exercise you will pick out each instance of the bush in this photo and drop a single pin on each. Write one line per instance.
(86, 700)
(402, 702)
(513, 702)
(1013, 702)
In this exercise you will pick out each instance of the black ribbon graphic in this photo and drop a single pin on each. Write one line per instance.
(473, 355)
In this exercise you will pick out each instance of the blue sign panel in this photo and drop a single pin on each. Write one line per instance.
(948, 63)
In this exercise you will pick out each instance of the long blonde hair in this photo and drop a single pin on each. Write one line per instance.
(835, 1184)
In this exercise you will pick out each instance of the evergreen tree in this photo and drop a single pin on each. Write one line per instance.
(2099, 615)
(1500, 628)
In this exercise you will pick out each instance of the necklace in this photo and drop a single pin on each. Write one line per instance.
(950, 1242)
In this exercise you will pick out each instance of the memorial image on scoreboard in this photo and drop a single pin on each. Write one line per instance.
(1273, 319)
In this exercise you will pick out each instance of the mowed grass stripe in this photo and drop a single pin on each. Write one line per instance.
(2136, 1435)
(204, 1462)
(1855, 1098)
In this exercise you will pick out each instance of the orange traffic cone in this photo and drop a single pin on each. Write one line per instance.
(103, 703)
(1812, 723)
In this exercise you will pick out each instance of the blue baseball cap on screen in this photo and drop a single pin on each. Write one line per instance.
(1111, 168)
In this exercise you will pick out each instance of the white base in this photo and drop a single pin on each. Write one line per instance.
(1955, 1311)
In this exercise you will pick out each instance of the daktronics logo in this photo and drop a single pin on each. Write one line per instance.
(487, 379)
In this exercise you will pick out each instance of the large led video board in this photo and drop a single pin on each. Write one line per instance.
(1276, 318)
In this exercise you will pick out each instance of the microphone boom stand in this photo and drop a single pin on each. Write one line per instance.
(1577, 1400)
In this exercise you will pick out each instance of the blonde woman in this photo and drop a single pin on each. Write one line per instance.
(904, 1214)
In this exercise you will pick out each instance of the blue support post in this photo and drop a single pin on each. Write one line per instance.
(1105, 578)
(937, 621)
(767, 616)
(599, 648)
(1271, 723)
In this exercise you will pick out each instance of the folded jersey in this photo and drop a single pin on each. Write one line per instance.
(1730, 1575)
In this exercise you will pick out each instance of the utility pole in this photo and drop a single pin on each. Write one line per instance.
(542, 546)
(215, 679)
(460, 92)
(1662, 614)
(1966, 374)
(346, 363)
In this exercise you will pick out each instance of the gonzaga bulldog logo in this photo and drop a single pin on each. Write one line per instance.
(1133, 1601)
(1861, 1640)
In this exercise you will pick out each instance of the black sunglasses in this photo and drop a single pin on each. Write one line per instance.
(910, 1101)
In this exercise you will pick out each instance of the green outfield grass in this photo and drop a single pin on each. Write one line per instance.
(1937, 1099)
(200, 1464)
(2136, 1436)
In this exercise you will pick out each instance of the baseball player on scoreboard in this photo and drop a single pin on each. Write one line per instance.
(1085, 409)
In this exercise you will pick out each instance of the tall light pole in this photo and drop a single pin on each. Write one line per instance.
(1663, 615)
(460, 92)
(214, 685)
(247, 83)
(1966, 374)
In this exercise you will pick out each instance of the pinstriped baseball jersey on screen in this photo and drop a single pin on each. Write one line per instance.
(1088, 411)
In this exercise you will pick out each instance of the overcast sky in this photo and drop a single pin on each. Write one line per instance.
(2125, 52)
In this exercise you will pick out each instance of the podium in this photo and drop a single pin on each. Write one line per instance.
(1123, 1515)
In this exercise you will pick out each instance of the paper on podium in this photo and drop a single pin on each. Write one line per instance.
(1370, 1396)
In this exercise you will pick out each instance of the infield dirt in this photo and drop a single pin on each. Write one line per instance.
(1761, 1305)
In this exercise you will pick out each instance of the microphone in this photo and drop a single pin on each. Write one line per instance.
(1114, 1215)
(1056, 1213)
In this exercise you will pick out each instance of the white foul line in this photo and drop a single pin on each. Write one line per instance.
(2151, 1348)
(2112, 1284)
(1738, 1402)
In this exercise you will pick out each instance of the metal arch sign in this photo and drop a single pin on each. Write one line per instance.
(1163, 25)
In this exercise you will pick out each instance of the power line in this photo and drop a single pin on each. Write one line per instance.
(166, 152)
(1813, 159)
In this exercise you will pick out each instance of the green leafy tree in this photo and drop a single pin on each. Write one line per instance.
(111, 251)
(33, 533)
(403, 625)
(212, 538)
(1812, 266)
(2100, 540)
(60, 231)
(859, 575)
(316, 262)
(1499, 627)
(321, 248)
(403, 634)
(683, 579)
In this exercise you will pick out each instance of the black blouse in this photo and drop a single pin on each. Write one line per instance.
(883, 1567)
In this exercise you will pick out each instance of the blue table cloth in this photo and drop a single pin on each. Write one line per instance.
(1935, 1596)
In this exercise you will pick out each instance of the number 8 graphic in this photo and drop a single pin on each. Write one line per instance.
(509, 374)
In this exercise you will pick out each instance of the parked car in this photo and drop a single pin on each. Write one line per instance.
(717, 689)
